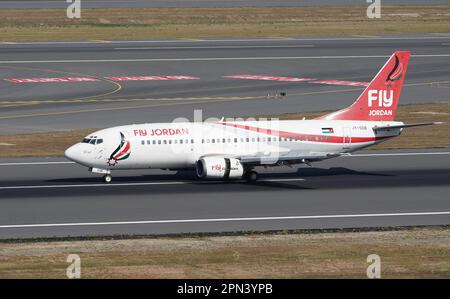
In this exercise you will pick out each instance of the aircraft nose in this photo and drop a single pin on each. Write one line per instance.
(73, 153)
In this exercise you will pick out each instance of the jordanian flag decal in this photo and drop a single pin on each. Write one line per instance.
(122, 151)
(327, 130)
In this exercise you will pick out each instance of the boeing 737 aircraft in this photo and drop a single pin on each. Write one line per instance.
(227, 149)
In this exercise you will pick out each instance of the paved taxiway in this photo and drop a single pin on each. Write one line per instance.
(375, 188)
(31, 107)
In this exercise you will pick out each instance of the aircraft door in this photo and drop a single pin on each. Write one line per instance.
(346, 137)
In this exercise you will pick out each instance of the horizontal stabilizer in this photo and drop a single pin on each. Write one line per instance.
(385, 128)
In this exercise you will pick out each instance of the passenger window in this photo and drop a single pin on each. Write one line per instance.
(143, 142)
(159, 141)
(165, 141)
(154, 142)
(248, 139)
(92, 141)
(213, 140)
(192, 140)
(235, 140)
(99, 141)
(181, 141)
(170, 141)
(148, 142)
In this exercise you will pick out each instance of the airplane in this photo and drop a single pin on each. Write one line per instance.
(229, 149)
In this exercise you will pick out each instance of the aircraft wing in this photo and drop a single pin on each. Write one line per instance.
(291, 157)
(387, 128)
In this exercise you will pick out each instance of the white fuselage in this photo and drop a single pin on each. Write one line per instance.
(180, 145)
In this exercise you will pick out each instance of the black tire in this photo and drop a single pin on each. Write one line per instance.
(251, 176)
(107, 178)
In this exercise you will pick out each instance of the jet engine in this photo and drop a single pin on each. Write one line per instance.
(217, 167)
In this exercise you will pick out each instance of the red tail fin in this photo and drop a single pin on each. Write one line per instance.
(379, 100)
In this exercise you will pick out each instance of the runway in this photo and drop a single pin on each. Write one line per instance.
(110, 90)
(52, 197)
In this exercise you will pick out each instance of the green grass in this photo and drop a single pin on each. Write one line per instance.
(166, 23)
(414, 253)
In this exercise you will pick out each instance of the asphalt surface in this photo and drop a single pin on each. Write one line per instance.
(35, 107)
(23, 4)
(374, 189)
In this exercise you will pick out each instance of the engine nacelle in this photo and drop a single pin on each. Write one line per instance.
(216, 167)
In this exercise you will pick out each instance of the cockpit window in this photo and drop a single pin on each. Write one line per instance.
(92, 140)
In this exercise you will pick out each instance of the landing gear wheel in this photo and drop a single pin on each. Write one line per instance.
(251, 176)
(107, 178)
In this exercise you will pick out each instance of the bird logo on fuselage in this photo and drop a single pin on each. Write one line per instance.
(122, 151)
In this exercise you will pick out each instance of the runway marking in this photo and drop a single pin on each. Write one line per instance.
(277, 39)
(137, 184)
(35, 163)
(237, 219)
(212, 59)
(268, 78)
(398, 154)
(114, 91)
(52, 80)
(295, 79)
(151, 78)
(213, 47)
(340, 82)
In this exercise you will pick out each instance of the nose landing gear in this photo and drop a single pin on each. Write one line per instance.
(107, 178)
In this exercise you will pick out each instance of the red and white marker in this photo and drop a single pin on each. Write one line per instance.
(269, 78)
(151, 78)
(339, 82)
(51, 80)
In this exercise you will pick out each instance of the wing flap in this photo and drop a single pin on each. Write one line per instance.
(289, 158)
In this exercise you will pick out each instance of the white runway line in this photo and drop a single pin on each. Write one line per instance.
(92, 185)
(213, 47)
(398, 154)
(212, 59)
(136, 184)
(234, 40)
(175, 221)
(35, 163)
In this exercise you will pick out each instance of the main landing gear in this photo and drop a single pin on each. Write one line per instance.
(251, 176)
(107, 178)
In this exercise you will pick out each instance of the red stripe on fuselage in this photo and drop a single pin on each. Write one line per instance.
(305, 137)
